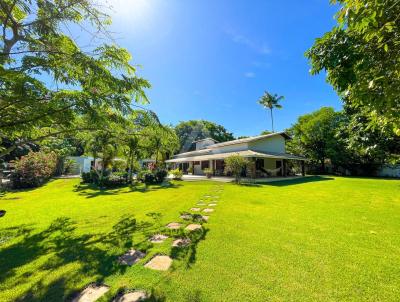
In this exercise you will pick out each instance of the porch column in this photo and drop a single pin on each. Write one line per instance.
(213, 166)
(284, 164)
(303, 170)
(192, 167)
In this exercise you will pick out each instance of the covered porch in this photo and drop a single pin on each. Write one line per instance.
(261, 165)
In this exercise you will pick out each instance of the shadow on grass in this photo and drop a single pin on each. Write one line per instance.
(297, 181)
(92, 191)
(188, 253)
(64, 246)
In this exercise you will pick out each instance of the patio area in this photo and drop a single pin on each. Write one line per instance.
(227, 179)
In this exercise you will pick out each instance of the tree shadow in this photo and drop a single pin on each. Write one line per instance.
(61, 241)
(296, 181)
(92, 191)
(188, 253)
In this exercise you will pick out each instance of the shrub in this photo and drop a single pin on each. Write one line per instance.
(152, 177)
(160, 175)
(235, 164)
(146, 176)
(90, 177)
(33, 169)
(177, 174)
(209, 172)
(114, 180)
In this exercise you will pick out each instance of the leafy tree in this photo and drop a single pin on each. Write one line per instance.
(160, 142)
(314, 135)
(104, 145)
(265, 132)
(49, 85)
(366, 146)
(193, 130)
(235, 164)
(361, 57)
(270, 102)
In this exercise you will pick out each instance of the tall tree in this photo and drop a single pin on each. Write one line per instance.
(314, 135)
(270, 102)
(361, 56)
(49, 85)
(190, 131)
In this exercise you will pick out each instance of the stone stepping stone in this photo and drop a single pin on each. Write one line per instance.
(201, 204)
(181, 242)
(195, 209)
(92, 293)
(193, 227)
(158, 238)
(208, 210)
(186, 216)
(135, 296)
(212, 204)
(174, 225)
(131, 257)
(205, 218)
(207, 196)
(159, 263)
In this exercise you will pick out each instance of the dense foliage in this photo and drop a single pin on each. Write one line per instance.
(362, 58)
(343, 140)
(49, 85)
(235, 165)
(193, 130)
(177, 174)
(33, 169)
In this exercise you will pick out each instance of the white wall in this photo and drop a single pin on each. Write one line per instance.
(82, 162)
(275, 144)
(231, 148)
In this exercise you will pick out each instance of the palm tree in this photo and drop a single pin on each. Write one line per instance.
(271, 101)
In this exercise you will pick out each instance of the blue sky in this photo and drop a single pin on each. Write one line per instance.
(212, 60)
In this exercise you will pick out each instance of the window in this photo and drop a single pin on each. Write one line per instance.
(196, 163)
(205, 164)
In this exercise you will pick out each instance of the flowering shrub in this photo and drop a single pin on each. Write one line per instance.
(176, 174)
(33, 169)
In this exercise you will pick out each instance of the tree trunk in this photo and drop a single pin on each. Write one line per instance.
(272, 120)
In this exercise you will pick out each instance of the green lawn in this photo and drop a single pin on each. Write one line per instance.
(320, 239)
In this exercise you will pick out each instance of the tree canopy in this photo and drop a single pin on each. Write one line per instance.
(344, 139)
(271, 101)
(190, 131)
(361, 56)
(314, 135)
(49, 84)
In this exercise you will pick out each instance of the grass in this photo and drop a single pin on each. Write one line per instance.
(317, 239)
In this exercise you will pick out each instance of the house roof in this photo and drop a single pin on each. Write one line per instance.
(205, 139)
(233, 142)
(245, 153)
(249, 139)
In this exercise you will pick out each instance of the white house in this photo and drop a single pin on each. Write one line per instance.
(268, 152)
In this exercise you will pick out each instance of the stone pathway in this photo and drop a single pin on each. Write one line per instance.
(158, 262)
(193, 227)
(158, 238)
(135, 296)
(92, 293)
(174, 225)
(181, 242)
(131, 257)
